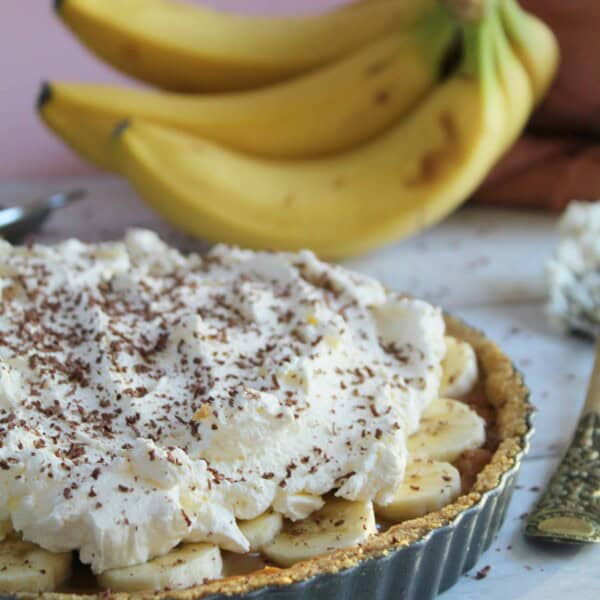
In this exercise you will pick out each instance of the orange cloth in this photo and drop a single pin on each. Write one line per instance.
(559, 158)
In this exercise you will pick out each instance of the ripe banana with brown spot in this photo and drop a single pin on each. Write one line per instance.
(409, 177)
(181, 47)
(322, 112)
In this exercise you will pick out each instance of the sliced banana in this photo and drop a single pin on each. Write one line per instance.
(338, 524)
(262, 530)
(447, 429)
(459, 369)
(5, 529)
(183, 567)
(428, 486)
(25, 567)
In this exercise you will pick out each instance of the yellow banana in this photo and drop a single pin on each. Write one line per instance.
(535, 44)
(190, 48)
(325, 111)
(516, 85)
(413, 175)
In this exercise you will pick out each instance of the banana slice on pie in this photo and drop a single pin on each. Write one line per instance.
(25, 567)
(447, 429)
(5, 529)
(184, 567)
(338, 524)
(262, 530)
(459, 369)
(428, 486)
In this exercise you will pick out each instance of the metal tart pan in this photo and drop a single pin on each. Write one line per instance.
(418, 570)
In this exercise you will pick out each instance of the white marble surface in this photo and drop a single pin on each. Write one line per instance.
(487, 267)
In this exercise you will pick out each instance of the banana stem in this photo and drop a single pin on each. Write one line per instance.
(466, 11)
(514, 17)
(436, 33)
(478, 57)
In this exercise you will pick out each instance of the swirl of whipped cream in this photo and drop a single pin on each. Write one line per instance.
(149, 398)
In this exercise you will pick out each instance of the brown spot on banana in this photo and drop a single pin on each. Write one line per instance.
(466, 10)
(130, 50)
(434, 163)
(379, 66)
(381, 97)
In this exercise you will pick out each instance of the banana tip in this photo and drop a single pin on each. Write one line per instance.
(121, 127)
(44, 95)
(57, 4)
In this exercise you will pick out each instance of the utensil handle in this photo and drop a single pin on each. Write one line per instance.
(592, 403)
(569, 511)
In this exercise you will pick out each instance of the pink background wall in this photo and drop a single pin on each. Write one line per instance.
(34, 46)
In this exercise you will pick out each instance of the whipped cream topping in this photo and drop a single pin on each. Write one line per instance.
(573, 274)
(149, 398)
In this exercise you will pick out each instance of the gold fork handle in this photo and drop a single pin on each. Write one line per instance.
(569, 510)
(592, 403)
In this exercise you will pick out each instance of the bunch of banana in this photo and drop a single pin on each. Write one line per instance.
(357, 139)
(327, 110)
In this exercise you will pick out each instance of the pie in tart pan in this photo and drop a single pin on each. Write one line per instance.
(416, 559)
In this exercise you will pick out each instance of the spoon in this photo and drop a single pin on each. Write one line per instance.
(18, 221)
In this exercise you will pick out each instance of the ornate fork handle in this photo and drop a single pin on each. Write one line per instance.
(569, 510)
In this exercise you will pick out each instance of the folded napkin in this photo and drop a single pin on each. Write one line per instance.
(558, 159)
